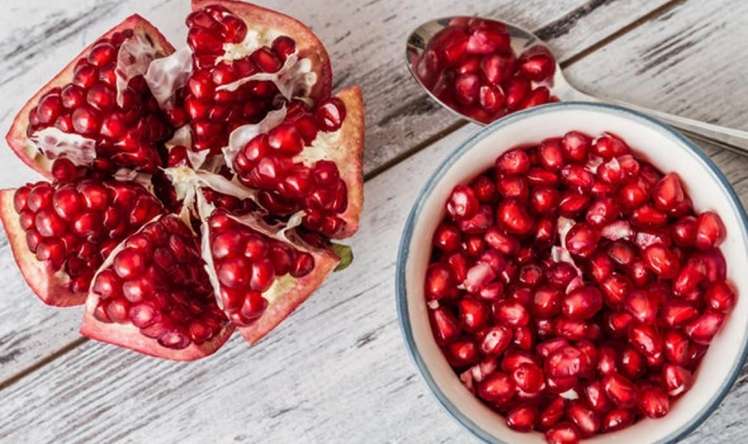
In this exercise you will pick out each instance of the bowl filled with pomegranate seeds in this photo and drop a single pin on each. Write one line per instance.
(574, 272)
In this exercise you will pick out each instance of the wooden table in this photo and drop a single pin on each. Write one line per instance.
(337, 370)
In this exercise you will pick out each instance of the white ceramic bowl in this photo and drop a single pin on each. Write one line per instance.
(666, 149)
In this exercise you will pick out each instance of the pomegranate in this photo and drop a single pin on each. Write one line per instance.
(194, 192)
(471, 66)
(596, 301)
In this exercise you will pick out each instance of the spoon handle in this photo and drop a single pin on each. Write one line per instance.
(723, 137)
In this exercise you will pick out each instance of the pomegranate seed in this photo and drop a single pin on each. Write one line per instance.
(444, 325)
(719, 296)
(473, 314)
(617, 419)
(653, 402)
(562, 433)
(710, 231)
(498, 388)
(438, 282)
(582, 303)
(537, 64)
(514, 217)
(522, 418)
(620, 390)
(582, 240)
(702, 329)
(494, 340)
(516, 91)
(462, 203)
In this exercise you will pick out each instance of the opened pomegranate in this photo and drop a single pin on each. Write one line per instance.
(471, 67)
(193, 192)
(579, 269)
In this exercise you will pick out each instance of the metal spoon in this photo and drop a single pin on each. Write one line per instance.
(728, 138)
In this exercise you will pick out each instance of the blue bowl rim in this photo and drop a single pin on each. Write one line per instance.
(403, 253)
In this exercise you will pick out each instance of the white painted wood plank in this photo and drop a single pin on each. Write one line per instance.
(690, 61)
(37, 37)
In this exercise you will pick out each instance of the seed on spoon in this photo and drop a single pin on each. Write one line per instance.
(471, 67)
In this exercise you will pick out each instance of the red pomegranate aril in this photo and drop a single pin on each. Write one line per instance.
(513, 162)
(582, 303)
(522, 418)
(632, 195)
(607, 361)
(562, 433)
(492, 341)
(511, 313)
(445, 326)
(719, 296)
(498, 388)
(500, 241)
(513, 187)
(447, 238)
(676, 347)
(565, 362)
(595, 397)
(646, 339)
(462, 353)
(684, 231)
(702, 329)
(632, 363)
(586, 420)
(653, 402)
(473, 314)
(620, 390)
(517, 90)
(710, 231)
(676, 379)
(551, 154)
(642, 306)
(546, 302)
(572, 203)
(617, 419)
(582, 240)
(438, 282)
(514, 217)
(463, 204)
(552, 413)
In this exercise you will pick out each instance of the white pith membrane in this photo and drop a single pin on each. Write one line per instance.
(189, 183)
(168, 74)
(245, 133)
(294, 80)
(133, 59)
(134, 56)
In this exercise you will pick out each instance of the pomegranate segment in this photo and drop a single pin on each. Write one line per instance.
(152, 295)
(607, 296)
(69, 229)
(471, 66)
(98, 111)
(309, 162)
(126, 132)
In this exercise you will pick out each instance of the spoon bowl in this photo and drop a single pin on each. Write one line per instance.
(522, 39)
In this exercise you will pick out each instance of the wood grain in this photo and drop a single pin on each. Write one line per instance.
(32, 49)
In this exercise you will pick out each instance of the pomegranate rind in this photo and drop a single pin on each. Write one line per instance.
(50, 287)
(16, 136)
(129, 336)
(349, 158)
(308, 44)
(283, 305)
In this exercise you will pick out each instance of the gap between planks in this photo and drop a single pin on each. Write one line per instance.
(660, 10)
